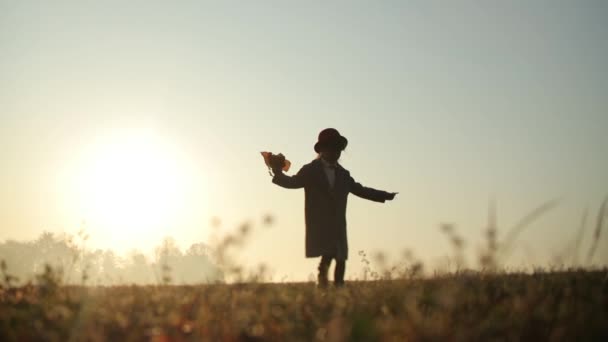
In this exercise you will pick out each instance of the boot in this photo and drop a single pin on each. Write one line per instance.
(339, 273)
(322, 278)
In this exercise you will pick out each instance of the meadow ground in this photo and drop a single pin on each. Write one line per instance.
(468, 306)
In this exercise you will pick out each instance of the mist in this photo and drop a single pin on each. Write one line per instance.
(70, 260)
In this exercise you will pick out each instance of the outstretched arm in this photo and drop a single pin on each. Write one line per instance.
(369, 193)
(290, 182)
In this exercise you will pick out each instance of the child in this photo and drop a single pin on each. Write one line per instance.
(326, 187)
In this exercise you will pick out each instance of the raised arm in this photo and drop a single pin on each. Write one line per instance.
(296, 181)
(369, 193)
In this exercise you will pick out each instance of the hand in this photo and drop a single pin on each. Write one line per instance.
(391, 196)
(277, 161)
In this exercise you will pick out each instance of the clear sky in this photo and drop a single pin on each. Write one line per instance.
(146, 118)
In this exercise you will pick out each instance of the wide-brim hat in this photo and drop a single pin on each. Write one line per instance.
(331, 137)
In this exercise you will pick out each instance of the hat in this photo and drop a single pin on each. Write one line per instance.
(330, 137)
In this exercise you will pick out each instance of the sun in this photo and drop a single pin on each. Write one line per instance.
(132, 186)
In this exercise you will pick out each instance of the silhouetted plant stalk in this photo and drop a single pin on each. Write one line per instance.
(8, 280)
(50, 280)
(165, 268)
(457, 243)
(226, 246)
(407, 267)
(508, 243)
(488, 258)
(579, 238)
(494, 253)
(598, 229)
(367, 271)
(79, 252)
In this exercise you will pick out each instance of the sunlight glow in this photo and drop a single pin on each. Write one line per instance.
(132, 186)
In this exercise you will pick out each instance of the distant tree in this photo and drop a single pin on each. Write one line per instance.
(137, 269)
(194, 266)
(78, 265)
(197, 266)
(20, 258)
(110, 268)
(92, 266)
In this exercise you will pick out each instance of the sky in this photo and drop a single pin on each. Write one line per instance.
(142, 119)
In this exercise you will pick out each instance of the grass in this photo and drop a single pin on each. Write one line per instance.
(558, 306)
(401, 303)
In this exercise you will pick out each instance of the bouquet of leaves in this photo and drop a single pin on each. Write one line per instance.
(275, 162)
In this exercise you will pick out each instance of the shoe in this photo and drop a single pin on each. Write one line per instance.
(322, 282)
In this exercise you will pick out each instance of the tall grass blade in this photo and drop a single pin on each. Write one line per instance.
(579, 238)
(598, 230)
(532, 216)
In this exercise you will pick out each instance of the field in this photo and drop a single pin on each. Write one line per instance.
(400, 303)
(467, 306)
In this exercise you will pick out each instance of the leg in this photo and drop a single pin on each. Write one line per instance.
(339, 272)
(323, 269)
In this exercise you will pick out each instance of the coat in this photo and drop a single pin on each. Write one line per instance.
(325, 207)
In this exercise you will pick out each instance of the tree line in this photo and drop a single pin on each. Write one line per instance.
(75, 264)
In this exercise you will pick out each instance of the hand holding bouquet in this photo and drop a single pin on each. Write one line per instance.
(276, 162)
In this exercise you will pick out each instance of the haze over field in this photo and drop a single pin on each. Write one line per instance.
(140, 120)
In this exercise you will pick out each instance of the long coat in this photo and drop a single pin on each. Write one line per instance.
(325, 207)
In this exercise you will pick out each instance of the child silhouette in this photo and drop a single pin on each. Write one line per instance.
(326, 187)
